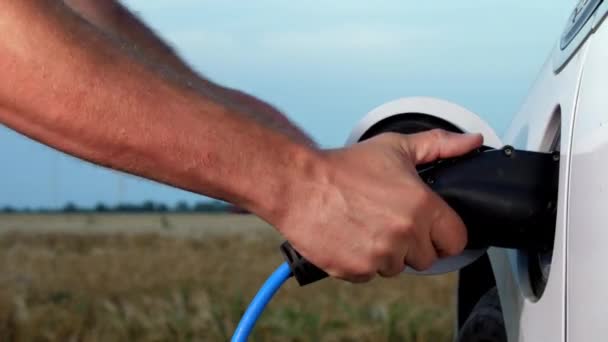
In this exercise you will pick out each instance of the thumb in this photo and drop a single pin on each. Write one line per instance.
(428, 146)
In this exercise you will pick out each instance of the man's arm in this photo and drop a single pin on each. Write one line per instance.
(354, 212)
(69, 85)
(111, 16)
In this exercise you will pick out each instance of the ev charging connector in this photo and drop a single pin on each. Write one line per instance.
(506, 198)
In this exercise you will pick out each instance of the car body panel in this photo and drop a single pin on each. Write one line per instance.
(587, 283)
(570, 309)
(528, 318)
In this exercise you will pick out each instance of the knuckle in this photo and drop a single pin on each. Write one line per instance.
(422, 264)
(358, 271)
(398, 229)
(382, 248)
(396, 268)
(422, 199)
(362, 279)
(437, 133)
(420, 194)
(405, 229)
(364, 269)
(456, 247)
(347, 273)
(355, 270)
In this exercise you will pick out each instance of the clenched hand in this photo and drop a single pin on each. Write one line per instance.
(371, 213)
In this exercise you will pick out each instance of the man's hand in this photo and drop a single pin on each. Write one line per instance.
(372, 213)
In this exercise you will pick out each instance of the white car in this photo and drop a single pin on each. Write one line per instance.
(559, 294)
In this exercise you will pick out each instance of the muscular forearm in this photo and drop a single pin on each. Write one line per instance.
(114, 18)
(68, 85)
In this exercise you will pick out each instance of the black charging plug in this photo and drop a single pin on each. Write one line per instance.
(506, 198)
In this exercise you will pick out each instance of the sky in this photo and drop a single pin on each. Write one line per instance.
(325, 64)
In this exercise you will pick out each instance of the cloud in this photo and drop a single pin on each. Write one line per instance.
(343, 39)
(325, 42)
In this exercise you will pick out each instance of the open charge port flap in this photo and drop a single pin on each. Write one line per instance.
(506, 197)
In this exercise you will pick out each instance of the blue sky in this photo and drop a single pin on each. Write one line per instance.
(325, 64)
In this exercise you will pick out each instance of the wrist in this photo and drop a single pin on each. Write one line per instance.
(303, 174)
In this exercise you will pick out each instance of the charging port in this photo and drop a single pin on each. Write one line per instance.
(539, 261)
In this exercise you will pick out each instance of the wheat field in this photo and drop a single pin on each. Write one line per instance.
(189, 278)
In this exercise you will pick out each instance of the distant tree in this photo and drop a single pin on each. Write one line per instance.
(101, 208)
(148, 206)
(70, 207)
(210, 207)
(162, 208)
(8, 210)
(201, 207)
(127, 208)
(182, 207)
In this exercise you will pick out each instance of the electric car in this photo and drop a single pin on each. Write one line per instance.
(559, 293)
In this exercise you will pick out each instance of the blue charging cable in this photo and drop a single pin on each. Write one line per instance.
(259, 302)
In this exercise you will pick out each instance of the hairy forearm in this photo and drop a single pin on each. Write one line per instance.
(113, 17)
(68, 85)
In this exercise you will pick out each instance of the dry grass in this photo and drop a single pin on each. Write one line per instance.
(155, 286)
